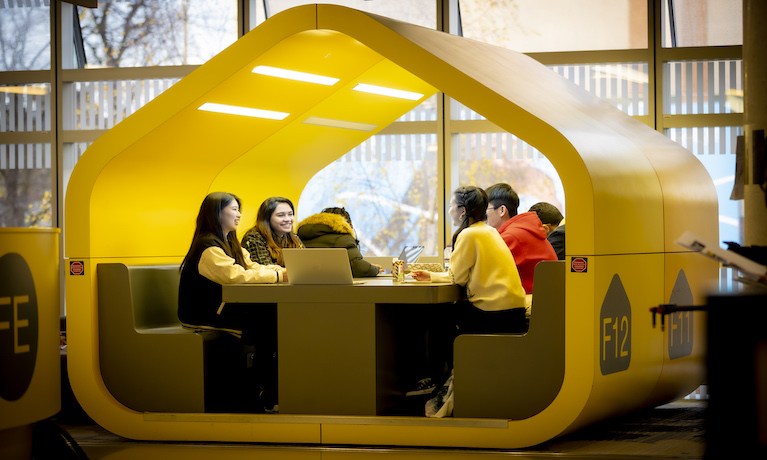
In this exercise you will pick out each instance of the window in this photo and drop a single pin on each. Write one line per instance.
(25, 169)
(421, 12)
(529, 26)
(103, 104)
(715, 148)
(389, 186)
(699, 87)
(702, 22)
(624, 85)
(25, 35)
(25, 185)
(140, 33)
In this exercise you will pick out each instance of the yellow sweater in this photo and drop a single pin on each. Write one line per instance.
(482, 262)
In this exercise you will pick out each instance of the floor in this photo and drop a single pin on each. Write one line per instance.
(674, 430)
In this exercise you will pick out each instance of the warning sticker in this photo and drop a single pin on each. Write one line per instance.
(76, 267)
(579, 264)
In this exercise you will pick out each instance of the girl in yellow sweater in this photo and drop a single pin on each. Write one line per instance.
(482, 263)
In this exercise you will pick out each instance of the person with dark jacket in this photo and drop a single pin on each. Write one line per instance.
(554, 224)
(523, 233)
(216, 258)
(332, 228)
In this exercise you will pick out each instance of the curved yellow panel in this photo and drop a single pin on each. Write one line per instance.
(629, 193)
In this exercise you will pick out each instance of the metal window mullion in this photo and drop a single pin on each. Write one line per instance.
(702, 108)
(90, 90)
(81, 111)
(37, 114)
(688, 86)
(727, 84)
(719, 86)
(12, 114)
(711, 98)
(679, 96)
(3, 117)
(120, 95)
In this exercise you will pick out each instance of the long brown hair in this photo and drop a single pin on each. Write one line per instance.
(209, 223)
(264, 227)
(474, 201)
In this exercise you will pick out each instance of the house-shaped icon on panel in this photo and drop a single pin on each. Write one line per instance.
(630, 192)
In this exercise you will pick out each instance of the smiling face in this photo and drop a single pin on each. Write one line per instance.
(282, 219)
(456, 212)
(230, 217)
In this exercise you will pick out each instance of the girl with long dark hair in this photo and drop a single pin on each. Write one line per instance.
(216, 258)
(482, 264)
(272, 232)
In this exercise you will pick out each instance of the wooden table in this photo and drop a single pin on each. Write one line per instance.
(339, 345)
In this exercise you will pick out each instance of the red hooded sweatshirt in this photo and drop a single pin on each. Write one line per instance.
(525, 236)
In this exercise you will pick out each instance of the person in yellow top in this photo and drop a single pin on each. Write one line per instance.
(216, 258)
(482, 263)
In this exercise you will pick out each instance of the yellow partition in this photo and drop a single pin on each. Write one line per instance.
(30, 361)
(629, 191)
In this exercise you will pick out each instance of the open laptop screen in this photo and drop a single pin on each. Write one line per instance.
(410, 254)
(317, 266)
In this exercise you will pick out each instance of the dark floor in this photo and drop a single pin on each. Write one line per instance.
(674, 430)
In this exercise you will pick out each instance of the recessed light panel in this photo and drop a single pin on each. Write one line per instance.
(244, 111)
(295, 75)
(384, 91)
(332, 123)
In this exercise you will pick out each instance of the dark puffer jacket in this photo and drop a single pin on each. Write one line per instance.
(325, 230)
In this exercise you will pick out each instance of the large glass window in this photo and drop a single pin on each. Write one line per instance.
(702, 22)
(103, 104)
(697, 87)
(389, 186)
(25, 36)
(139, 33)
(25, 169)
(715, 148)
(484, 159)
(625, 86)
(420, 12)
(25, 185)
(529, 26)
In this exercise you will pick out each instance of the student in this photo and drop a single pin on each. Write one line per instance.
(554, 224)
(523, 233)
(482, 263)
(216, 258)
(272, 232)
(332, 228)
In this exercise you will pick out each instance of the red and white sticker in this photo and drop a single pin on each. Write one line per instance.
(76, 267)
(579, 264)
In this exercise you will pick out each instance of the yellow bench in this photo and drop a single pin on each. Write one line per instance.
(149, 361)
(516, 376)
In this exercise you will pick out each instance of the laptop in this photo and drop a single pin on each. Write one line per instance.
(318, 266)
(410, 254)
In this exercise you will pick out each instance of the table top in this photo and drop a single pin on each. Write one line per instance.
(372, 290)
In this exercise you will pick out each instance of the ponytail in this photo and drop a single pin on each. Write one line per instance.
(474, 202)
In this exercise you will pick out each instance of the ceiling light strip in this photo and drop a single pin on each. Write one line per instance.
(343, 124)
(245, 111)
(295, 75)
(384, 91)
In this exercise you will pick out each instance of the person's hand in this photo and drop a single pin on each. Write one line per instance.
(421, 275)
(380, 268)
(284, 273)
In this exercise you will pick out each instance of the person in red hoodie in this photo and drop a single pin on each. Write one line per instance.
(523, 233)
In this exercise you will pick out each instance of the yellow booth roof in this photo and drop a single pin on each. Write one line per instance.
(137, 189)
